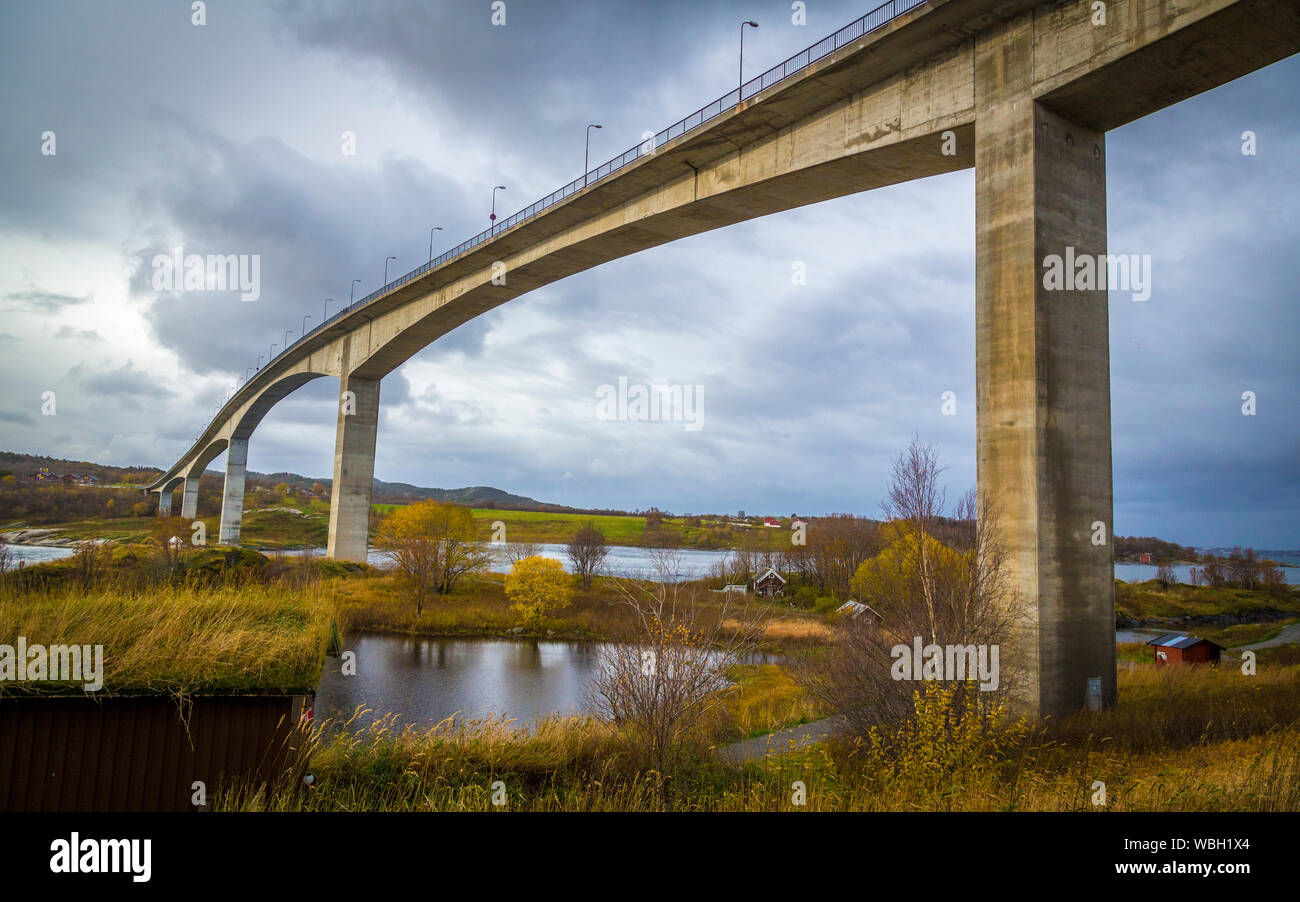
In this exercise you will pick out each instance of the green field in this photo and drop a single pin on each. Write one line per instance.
(265, 527)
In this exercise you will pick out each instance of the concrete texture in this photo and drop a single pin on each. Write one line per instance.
(190, 498)
(1042, 374)
(232, 497)
(354, 468)
(1028, 90)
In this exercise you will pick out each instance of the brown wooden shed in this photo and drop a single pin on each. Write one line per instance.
(1174, 648)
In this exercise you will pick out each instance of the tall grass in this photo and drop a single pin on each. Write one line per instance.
(181, 638)
(1181, 739)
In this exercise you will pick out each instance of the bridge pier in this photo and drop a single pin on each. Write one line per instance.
(232, 493)
(1043, 375)
(165, 503)
(190, 498)
(354, 468)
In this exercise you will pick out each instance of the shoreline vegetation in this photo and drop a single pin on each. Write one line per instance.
(177, 619)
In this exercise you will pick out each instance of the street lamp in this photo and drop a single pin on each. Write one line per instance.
(431, 231)
(271, 355)
(386, 259)
(587, 155)
(741, 86)
(325, 314)
(287, 333)
(304, 323)
(355, 283)
(258, 368)
(493, 217)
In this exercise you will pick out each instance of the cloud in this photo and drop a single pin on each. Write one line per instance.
(125, 384)
(79, 334)
(226, 140)
(46, 301)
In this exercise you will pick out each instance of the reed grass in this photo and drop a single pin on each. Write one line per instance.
(177, 638)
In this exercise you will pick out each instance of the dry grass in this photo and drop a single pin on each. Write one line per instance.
(177, 639)
(1181, 739)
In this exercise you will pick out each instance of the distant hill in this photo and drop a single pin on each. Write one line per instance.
(24, 466)
(400, 492)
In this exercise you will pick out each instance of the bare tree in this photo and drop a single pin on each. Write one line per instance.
(662, 681)
(88, 564)
(587, 552)
(922, 590)
(1165, 574)
(6, 556)
(836, 546)
(517, 551)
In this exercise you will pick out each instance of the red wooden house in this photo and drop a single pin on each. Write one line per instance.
(1173, 648)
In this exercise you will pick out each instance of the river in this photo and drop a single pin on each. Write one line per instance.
(695, 563)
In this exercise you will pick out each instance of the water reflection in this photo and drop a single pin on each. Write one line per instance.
(427, 680)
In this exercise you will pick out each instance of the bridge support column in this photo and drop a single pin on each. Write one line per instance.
(190, 499)
(354, 468)
(164, 504)
(1043, 375)
(232, 493)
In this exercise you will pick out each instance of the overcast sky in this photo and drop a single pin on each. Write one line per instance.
(226, 138)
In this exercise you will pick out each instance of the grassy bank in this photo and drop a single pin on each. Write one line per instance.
(180, 638)
(1149, 600)
(1180, 739)
(479, 608)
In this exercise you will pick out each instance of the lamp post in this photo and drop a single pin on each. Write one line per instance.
(493, 217)
(355, 283)
(325, 313)
(587, 154)
(258, 368)
(431, 231)
(741, 86)
(386, 259)
(304, 325)
(287, 333)
(270, 356)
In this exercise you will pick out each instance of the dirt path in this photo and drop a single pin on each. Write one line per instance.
(778, 743)
(1288, 635)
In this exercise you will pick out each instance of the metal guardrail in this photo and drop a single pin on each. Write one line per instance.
(796, 64)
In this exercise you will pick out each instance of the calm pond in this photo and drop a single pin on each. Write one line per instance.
(427, 680)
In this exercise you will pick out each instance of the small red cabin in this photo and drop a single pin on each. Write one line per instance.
(1173, 648)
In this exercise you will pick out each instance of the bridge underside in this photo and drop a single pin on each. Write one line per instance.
(1022, 92)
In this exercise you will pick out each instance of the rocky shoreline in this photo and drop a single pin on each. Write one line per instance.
(46, 537)
(1268, 615)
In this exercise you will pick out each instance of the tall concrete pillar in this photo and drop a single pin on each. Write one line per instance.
(354, 468)
(1042, 375)
(232, 493)
(190, 499)
(165, 503)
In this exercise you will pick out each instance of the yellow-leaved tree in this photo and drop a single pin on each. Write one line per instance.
(538, 585)
(431, 545)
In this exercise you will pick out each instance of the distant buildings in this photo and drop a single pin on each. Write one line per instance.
(769, 584)
(856, 609)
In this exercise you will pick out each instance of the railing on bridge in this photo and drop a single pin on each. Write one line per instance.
(879, 16)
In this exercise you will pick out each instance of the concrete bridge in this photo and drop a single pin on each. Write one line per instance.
(1023, 90)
